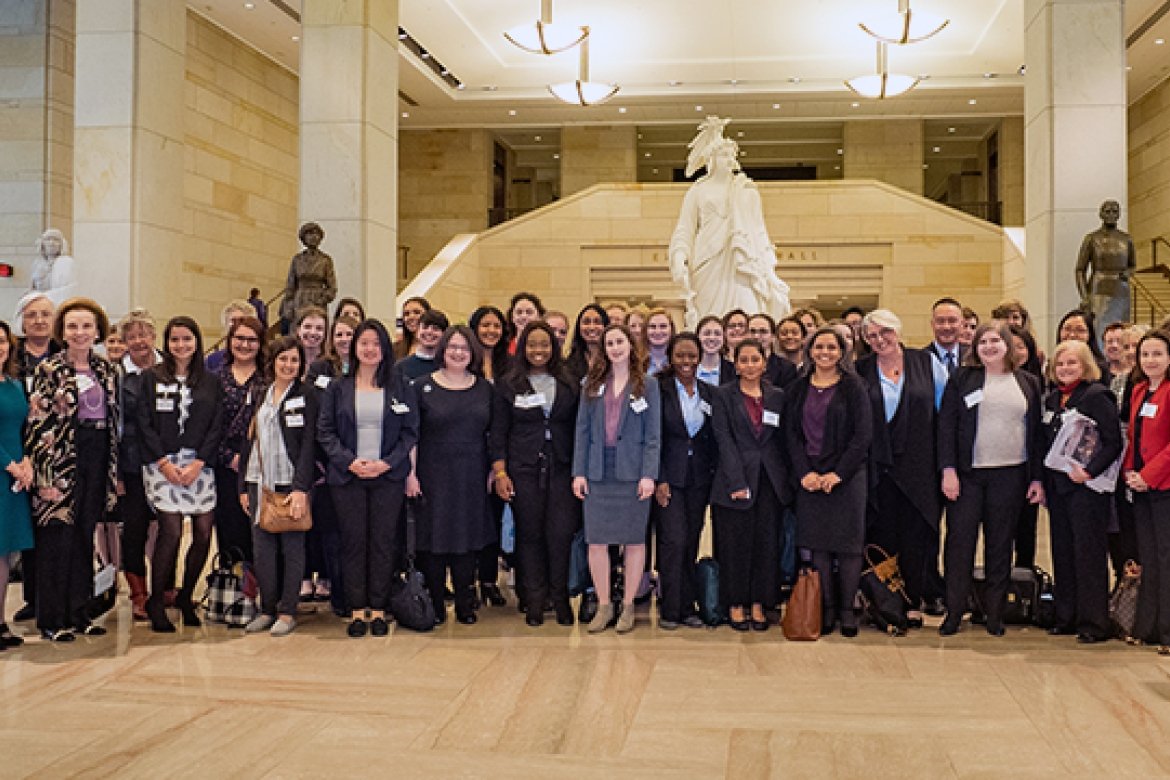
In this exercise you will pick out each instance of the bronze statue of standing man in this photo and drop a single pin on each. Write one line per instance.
(311, 281)
(1104, 265)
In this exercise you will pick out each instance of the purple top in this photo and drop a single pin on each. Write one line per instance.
(91, 402)
(613, 416)
(816, 409)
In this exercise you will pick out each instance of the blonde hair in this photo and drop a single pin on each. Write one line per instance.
(136, 316)
(1091, 371)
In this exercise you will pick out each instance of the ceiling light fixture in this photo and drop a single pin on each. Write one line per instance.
(544, 37)
(904, 26)
(583, 92)
(882, 84)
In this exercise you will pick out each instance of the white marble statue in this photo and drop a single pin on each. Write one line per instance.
(720, 252)
(53, 273)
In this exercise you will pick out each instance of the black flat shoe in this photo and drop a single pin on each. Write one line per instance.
(440, 617)
(534, 620)
(467, 618)
(759, 625)
(489, 593)
(1090, 639)
(739, 625)
(995, 629)
(1062, 631)
(90, 629)
(379, 627)
(27, 612)
(948, 628)
(564, 612)
(913, 622)
(60, 635)
(357, 628)
(934, 607)
(848, 631)
(587, 608)
(9, 639)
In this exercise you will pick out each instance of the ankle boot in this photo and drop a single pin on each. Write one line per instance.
(158, 615)
(137, 584)
(183, 602)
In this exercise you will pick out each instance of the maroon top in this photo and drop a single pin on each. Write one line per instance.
(816, 409)
(755, 412)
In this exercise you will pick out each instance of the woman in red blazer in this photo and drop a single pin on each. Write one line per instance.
(1147, 474)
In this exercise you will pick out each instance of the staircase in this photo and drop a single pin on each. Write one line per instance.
(1151, 288)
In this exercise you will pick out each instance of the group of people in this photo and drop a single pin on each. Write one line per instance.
(804, 440)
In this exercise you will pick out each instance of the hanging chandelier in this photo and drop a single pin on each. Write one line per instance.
(583, 92)
(544, 37)
(904, 26)
(882, 84)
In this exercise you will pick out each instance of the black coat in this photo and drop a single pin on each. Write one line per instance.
(781, 371)
(517, 435)
(158, 417)
(742, 456)
(337, 431)
(958, 422)
(298, 427)
(848, 429)
(1093, 400)
(677, 443)
(904, 447)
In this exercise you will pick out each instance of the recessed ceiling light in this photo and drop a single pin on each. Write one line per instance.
(647, 154)
(296, 37)
(1023, 70)
(536, 138)
(444, 72)
(937, 149)
(621, 109)
(424, 54)
(988, 75)
(1129, 67)
(856, 105)
(739, 134)
(639, 136)
(950, 129)
(490, 88)
(511, 112)
(775, 106)
(249, 6)
(556, 157)
(402, 36)
(406, 115)
(836, 167)
(795, 79)
(972, 102)
(698, 108)
(674, 83)
(733, 82)
(840, 151)
(654, 170)
(925, 166)
(1159, 41)
(743, 154)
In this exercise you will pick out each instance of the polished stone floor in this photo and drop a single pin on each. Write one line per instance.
(499, 699)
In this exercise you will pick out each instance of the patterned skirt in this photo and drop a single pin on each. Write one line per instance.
(165, 496)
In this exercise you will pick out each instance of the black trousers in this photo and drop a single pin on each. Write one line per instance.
(933, 584)
(839, 585)
(992, 498)
(1123, 545)
(547, 514)
(747, 545)
(136, 516)
(233, 527)
(64, 568)
(368, 512)
(898, 527)
(435, 566)
(1026, 535)
(487, 560)
(680, 525)
(1080, 563)
(1152, 520)
(326, 538)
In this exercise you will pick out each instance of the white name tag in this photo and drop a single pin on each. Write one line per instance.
(973, 398)
(399, 408)
(771, 418)
(1149, 410)
(529, 401)
(1047, 416)
(28, 384)
(161, 389)
(295, 421)
(164, 404)
(84, 383)
(295, 403)
(639, 405)
(705, 408)
(322, 382)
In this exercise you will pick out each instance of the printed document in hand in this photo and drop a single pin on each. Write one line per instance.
(1076, 443)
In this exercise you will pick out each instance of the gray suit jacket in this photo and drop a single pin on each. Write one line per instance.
(639, 442)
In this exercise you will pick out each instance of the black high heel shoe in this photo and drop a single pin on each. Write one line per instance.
(489, 593)
(159, 622)
(187, 610)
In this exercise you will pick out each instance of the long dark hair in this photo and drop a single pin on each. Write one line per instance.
(579, 351)
(519, 368)
(600, 368)
(667, 372)
(196, 369)
(408, 337)
(1032, 364)
(10, 368)
(382, 373)
(1087, 316)
(1138, 374)
(499, 353)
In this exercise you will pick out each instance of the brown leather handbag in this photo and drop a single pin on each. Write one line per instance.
(275, 511)
(802, 615)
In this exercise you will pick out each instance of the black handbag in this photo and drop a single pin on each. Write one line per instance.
(1028, 601)
(410, 601)
(883, 591)
(711, 611)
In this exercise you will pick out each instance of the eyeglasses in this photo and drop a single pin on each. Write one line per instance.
(245, 340)
(458, 348)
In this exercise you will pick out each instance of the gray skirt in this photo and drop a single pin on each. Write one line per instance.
(613, 513)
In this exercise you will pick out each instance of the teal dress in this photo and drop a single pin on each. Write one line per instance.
(15, 519)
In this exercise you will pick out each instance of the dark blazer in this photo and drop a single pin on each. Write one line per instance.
(741, 456)
(1094, 400)
(957, 422)
(158, 417)
(639, 443)
(298, 427)
(727, 373)
(781, 371)
(677, 444)
(337, 431)
(129, 452)
(1155, 435)
(517, 435)
(904, 447)
(848, 429)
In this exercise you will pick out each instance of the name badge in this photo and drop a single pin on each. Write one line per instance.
(1149, 410)
(295, 403)
(1047, 416)
(164, 404)
(161, 389)
(529, 401)
(771, 418)
(295, 420)
(84, 383)
(639, 405)
(973, 398)
(399, 408)
(28, 380)
(322, 382)
(248, 399)
(705, 408)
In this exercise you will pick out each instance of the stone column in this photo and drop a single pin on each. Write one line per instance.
(349, 141)
(128, 144)
(1075, 141)
(1011, 170)
(594, 154)
(888, 150)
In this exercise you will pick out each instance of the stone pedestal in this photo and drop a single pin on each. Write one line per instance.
(1075, 138)
(349, 141)
(128, 137)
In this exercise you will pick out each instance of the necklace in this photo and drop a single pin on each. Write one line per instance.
(85, 395)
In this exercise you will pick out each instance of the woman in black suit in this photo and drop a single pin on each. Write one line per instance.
(179, 427)
(830, 425)
(591, 321)
(749, 488)
(1077, 514)
(279, 454)
(904, 500)
(533, 421)
(684, 479)
(367, 431)
(990, 448)
(713, 368)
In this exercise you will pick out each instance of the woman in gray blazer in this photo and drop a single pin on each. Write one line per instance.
(615, 462)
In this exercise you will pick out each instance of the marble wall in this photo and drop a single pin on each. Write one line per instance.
(444, 188)
(597, 153)
(889, 150)
(1149, 172)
